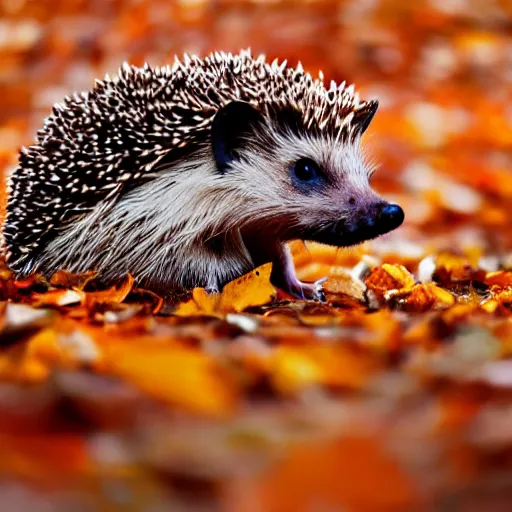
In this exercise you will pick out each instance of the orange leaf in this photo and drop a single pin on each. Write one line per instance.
(314, 271)
(17, 367)
(178, 375)
(65, 279)
(499, 280)
(314, 261)
(452, 268)
(293, 369)
(29, 282)
(422, 297)
(43, 458)
(44, 346)
(389, 277)
(352, 473)
(114, 295)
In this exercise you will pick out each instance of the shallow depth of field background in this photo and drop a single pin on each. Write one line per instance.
(442, 71)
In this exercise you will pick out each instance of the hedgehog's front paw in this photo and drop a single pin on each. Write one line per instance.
(304, 291)
(285, 278)
(312, 291)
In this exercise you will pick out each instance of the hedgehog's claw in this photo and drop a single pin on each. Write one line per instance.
(284, 277)
(306, 291)
(314, 291)
(319, 289)
(212, 288)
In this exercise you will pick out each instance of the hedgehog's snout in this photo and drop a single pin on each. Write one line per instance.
(364, 223)
(378, 219)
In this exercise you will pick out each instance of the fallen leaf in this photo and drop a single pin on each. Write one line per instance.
(65, 279)
(451, 268)
(294, 369)
(345, 284)
(49, 459)
(389, 277)
(352, 473)
(183, 377)
(421, 297)
(57, 298)
(498, 280)
(252, 289)
(114, 295)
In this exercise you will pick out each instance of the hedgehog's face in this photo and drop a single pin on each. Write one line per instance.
(314, 186)
(331, 183)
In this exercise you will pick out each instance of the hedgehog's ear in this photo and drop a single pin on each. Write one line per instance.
(364, 116)
(231, 126)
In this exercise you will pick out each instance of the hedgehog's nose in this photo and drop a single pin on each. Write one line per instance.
(379, 219)
(390, 217)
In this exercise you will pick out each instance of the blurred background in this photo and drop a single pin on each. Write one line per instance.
(442, 70)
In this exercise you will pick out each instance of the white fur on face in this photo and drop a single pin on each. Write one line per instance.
(345, 164)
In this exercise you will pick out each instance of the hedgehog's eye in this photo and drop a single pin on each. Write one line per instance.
(306, 173)
(305, 169)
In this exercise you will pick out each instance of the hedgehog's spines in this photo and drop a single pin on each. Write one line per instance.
(121, 131)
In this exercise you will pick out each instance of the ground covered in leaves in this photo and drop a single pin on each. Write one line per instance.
(394, 394)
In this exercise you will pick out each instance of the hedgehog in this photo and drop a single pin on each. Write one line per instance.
(194, 174)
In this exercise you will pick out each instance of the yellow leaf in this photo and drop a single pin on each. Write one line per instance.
(296, 368)
(252, 289)
(293, 370)
(201, 303)
(400, 274)
(44, 346)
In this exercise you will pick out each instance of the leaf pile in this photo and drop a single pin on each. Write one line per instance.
(393, 395)
(318, 383)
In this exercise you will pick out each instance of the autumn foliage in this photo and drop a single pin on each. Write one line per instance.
(392, 395)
